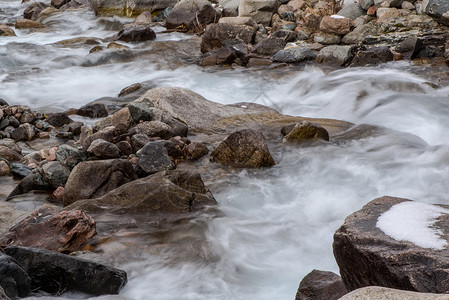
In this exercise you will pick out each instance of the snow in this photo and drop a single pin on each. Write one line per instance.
(337, 17)
(414, 222)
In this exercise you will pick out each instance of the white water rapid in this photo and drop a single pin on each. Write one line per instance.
(277, 224)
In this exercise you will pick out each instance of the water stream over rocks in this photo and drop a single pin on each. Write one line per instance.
(275, 225)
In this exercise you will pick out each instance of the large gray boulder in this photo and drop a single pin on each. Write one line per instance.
(439, 10)
(335, 55)
(192, 15)
(395, 243)
(377, 292)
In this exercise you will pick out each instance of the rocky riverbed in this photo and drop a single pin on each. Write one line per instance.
(113, 157)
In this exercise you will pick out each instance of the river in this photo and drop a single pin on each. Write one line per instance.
(276, 225)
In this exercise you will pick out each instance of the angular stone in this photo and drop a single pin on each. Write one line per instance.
(136, 33)
(366, 4)
(248, 21)
(335, 25)
(140, 112)
(222, 56)
(30, 182)
(410, 47)
(154, 129)
(358, 34)
(306, 132)
(192, 15)
(274, 42)
(53, 272)
(154, 158)
(6, 31)
(372, 56)
(321, 285)
(144, 18)
(195, 150)
(335, 55)
(242, 149)
(260, 10)
(294, 55)
(439, 10)
(13, 278)
(92, 179)
(33, 10)
(216, 34)
(93, 110)
(58, 119)
(55, 173)
(326, 38)
(9, 154)
(52, 229)
(106, 134)
(20, 170)
(103, 149)
(28, 24)
(351, 10)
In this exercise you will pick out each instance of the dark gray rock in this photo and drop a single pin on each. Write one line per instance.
(140, 111)
(58, 119)
(216, 34)
(20, 170)
(3, 295)
(136, 33)
(410, 47)
(294, 55)
(90, 179)
(222, 56)
(359, 34)
(33, 181)
(439, 10)
(125, 147)
(173, 151)
(3, 102)
(13, 278)
(335, 55)
(103, 149)
(365, 4)
(93, 110)
(275, 42)
(177, 128)
(55, 173)
(321, 285)
(54, 272)
(372, 56)
(70, 156)
(139, 140)
(25, 132)
(153, 157)
(192, 15)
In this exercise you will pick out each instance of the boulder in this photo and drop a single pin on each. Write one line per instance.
(106, 134)
(195, 150)
(54, 272)
(275, 42)
(10, 144)
(59, 3)
(304, 131)
(6, 31)
(121, 119)
(410, 47)
(5, 170)
(139, 140)
(29, 183)
(20, 170)
(140, 111)
(326, 38)
(294, 55)
(216, 34)
(372, 56)
(9, 154)
(243, 149)
(395, 243)
(351, 10)
(33, 10)
(13, 278)
(439, 10)
(70, 156)
(129, 8)
(58, 119)
(93, 110)
(366, 4)
(192, 14)
(222, 56)
(358, 34)
(25, 132)
(167, 192)
(154, 158)
(335, 55)
(377, 292)
(321, 285)
(55, 173)
(144, 18)
(246, 21)
(92, 179)
(154, 129)
(52, 229)
(103, 149)
(260, 11)
(136, 33)
(335, 25)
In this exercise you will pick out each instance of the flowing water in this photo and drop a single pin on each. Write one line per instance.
(276, 225)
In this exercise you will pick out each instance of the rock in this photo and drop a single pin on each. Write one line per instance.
(386, 13)
(377, 292)
(358, 34)
(351, 10)
(321, 285)
(306, 132)
(20, 170)
(257, 62)
(120, 119)
(59, 193)
(195, 150)
(6, 31)
(5, 170)
(33, 10)
(154, 158)
(247, 21)
(9, 143)
(52, 229)
(274, 42)
(58, 119)
(366, 4)
(407, 5)
(242, 149)
(102, 149)
(144, 18)
(136, 33)
(294, 55)
(54, 272)
(439, 10)
(25, 132)
(192, 14)
(372, 11)
(335, 55)
(216, 34)
(130, 89)
(139, 140)
(29, 183)
(335, 25)
(410, 47)
(140, 111)
(106, 134)
(70, 156)
(28, 24)
(167, 192)
(55, 173)
(326, 38)
(125, 147)
(9, 154)
(222, 56)
(13, 278)
(129, 8)
(59, 3)
(3, 295)
(90, 179)
(366, 255)
(260, 10)
(154, 129)
(372, 56)
(93, 110)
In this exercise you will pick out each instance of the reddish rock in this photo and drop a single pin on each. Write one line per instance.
(321, 285)
(372, 11)
(9, 154)
(340, 26)
(59, 193)
(195, 150)
(4, 168)
(51, 154)
(52, 229)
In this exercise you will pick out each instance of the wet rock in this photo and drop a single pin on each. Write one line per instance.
(368, 256)
(248, 21)
(216, 34)
(244, 148)
(9, 143)
(92, 179)
(42, 125)
(335, 25)
(321, 285)
(58, 119)
(257, 62)
(106, 134)
(9, 154)
(192, 15)
(130, 89)
(372, 56)
(3, 102)
(3, 295)
(59, 3)
(70, 156)
(177, 127)
(52, 229)
(59, 193)
(25, 132)
(260, 10)
(167, 192)
(173, 150)
(305, 132)
(195, 150)
(335, 55)
(410, 47)
(154, 158)
(439, 10)
(20, 170)
(28, 117)
(372, 11)
(366, 4)
(222, 56)
(13, 278)
(103, 149)
(154, 129)
(377, 292)
(93, 110)
(54, 272)
(139, 140)
(28, 24)
(6, 31)
(274, 42)
(125, 147)
(29, 183)
(144, 18)
(294, 55)
(33, 10)
(326, 38)
(351, 10)
(5, 170)
(136, 33)
(55, 173)
(74, 128)
(140, 111)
